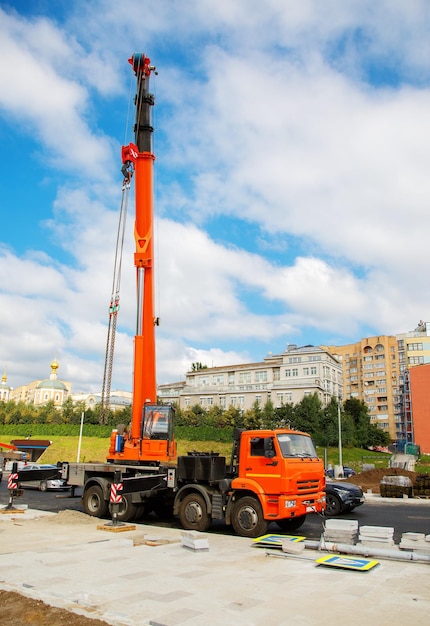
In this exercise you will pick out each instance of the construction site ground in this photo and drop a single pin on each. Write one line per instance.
(67, 568)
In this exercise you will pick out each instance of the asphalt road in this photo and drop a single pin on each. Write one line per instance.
(401, 516)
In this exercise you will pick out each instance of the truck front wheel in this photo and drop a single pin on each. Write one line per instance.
(247, 517)
(94, 503)
(193, 513)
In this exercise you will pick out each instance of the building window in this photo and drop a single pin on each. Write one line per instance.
(218, 379)
(276, 374)
(287, 373)
(295, 359)
(222, 401)
(313, 371)
(288, 396)
(233, 400)
(187, 402)
(244, 377)
(414, 346)
(415, 360)
(306, 371)
(295, 371)
(210, 401)
(261, 376)
(258, 399)
(241, 400)
(231, 378)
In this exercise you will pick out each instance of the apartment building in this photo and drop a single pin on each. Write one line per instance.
(417, 406)
(371, 374)
(282, 378)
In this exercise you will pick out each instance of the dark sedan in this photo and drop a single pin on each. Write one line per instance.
(342, 497)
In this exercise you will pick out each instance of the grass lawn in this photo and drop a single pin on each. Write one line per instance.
(95, 449)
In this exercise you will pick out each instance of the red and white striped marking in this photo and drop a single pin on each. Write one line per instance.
(115, 496)
(12, 481)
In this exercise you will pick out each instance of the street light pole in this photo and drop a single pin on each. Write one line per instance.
(340, 435)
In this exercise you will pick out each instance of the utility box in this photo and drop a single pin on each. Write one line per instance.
(205, 467)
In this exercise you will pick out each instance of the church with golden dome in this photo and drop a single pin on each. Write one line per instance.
(40, 392)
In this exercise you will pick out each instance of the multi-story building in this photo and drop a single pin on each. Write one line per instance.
(417, 403)
(414, 349)
(282, 379)
(371, 374)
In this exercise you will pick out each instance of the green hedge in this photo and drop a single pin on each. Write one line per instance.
(190, 433)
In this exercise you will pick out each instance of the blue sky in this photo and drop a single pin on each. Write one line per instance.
(292, 187)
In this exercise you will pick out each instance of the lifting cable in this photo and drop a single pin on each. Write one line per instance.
(116, 284)
(114, 307)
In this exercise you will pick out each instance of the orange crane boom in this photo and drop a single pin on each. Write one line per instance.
(149, 422)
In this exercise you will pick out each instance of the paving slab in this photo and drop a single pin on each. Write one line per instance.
(129, 579)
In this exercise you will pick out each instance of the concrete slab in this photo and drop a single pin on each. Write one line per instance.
(136, 581)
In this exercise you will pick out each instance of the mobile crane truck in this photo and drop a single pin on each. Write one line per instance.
(273, 475)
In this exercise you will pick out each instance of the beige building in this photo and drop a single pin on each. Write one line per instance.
(283, 378)
(371, 374)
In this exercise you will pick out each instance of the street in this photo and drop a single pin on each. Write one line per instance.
(400, 515)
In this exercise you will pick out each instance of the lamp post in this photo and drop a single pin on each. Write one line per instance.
(339, 422)
(78, 456)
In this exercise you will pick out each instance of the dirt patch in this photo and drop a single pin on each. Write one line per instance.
(372, 478)
(71, 517)
(17, 609)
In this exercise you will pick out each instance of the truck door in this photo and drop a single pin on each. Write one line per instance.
(263, 464)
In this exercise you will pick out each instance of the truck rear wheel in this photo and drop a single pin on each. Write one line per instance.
(94, 503)
(291, 524)
(247, 517)
(127, 510)
(193, 513)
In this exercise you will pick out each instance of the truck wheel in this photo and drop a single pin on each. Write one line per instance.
(127, 509)
(43, 485)
(193, 513)
(332, 504)
(291, 524)
(94, 503)
(247, 518)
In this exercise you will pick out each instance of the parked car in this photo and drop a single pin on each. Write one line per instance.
(342, 497)
(46, 477)
(347, 472)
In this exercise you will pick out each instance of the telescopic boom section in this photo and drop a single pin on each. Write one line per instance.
(144, 380)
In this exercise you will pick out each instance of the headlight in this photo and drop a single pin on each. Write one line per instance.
(343, 492)
(290, 504)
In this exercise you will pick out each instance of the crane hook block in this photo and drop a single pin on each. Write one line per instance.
(129, 153)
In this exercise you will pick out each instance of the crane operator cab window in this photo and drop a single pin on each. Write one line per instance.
(157, 422)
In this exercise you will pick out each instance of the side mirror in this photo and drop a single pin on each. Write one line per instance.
(269, 451)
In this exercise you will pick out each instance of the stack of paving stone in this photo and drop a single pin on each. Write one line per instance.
(194, 541)
(376, 536)
(395, 487)
(422, 486)
(341, 531)
(415, 542)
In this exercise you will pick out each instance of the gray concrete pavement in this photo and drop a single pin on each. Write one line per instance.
(145, 577)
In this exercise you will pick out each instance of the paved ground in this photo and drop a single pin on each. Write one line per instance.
(145, 577)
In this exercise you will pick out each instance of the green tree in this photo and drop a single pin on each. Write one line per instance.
(361, 419)
(283, 415)
(307, 415)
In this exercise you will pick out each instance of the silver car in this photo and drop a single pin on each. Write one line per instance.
(42, 477)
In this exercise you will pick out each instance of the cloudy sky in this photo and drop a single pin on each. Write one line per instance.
(292, 185)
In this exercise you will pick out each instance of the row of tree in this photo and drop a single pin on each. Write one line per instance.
(309, 416)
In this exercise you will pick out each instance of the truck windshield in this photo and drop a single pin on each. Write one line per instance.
(296, 445)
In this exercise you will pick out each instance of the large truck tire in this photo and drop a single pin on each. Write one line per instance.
(291, 524)
(94, 502)
(247, 517)
(193, 513)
